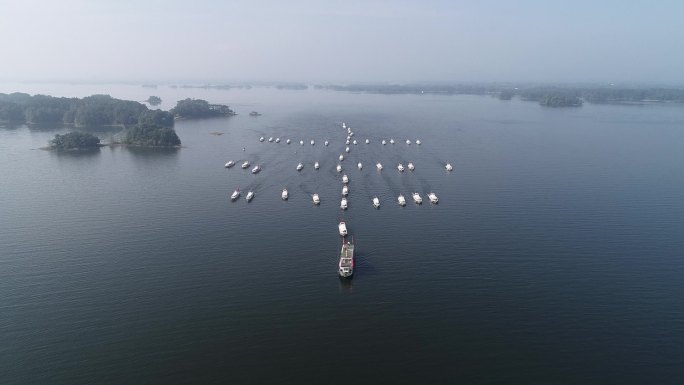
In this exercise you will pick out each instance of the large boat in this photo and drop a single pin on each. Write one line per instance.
(339, 168)
(343, 228)
(376, 202)
(316, 199)
(256, 169)
(250, 195)
(300, 167)
(245, 164)
(236, 194)
(411, 166)
(345, 179)
(359, 165)
(285, 194)
(400, 167)
(345, 190)
(433, 197)
(230, 164)
(343, 204)
(401, 200)
(346, 264)
(417, 198)
(317, 166)
(448, 167)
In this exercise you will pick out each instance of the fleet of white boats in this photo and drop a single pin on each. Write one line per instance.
(346, 256)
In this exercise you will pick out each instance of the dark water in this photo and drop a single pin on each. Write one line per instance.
(553, 257)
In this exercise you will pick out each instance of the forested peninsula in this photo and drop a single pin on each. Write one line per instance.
(140, 125)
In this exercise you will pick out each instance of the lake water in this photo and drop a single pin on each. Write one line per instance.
(555, 254)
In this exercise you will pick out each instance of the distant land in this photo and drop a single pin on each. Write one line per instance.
(140, 125)
(546, 95)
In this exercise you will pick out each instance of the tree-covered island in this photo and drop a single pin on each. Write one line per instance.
(198, 108)
(75, 141)
(140, 125)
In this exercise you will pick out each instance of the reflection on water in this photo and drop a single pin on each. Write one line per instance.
(150, 151)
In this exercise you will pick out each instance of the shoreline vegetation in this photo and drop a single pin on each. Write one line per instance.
(141, 126)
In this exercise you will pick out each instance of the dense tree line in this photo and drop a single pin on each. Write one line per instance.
(151, 136)
(198, 108)
(75, 141)
(154, 100)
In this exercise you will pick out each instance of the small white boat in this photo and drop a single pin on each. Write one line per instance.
(285, 194)
(418, 142)
(359, 165)
(326, 142)
(345, 179)
(401, 200)
(433, 198)
(343, 228)
(408, 142)
(245, 164)
(288, 141)
(384, 142)
(391, 141)
(376, 202)
(339, 168)
(349, 130)
(236, 194)
(316, 199)
(277, 140)
(355, 142)
(417, 198)
(270, 139)
(344, 125)
(301, 142)
(367, 141)
(347, 142)
(261, 139)
(250, 196)
(345, 190)
(348, 138)
(379, 166)
(300, 167)
(343, 204)
(341, 157)
(256, 169)
(230, 164)
(400, 167)
(448, 167)
(411, 166)
(317, 166)
(351, 134)
(346, 149)
(312, 142)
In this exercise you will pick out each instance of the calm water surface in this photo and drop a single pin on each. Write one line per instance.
(553, 257)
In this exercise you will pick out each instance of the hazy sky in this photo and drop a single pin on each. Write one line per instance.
(342, 41)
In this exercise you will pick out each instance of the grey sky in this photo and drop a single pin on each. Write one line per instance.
(343, 41)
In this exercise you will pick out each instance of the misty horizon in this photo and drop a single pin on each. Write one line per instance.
(342, 42)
